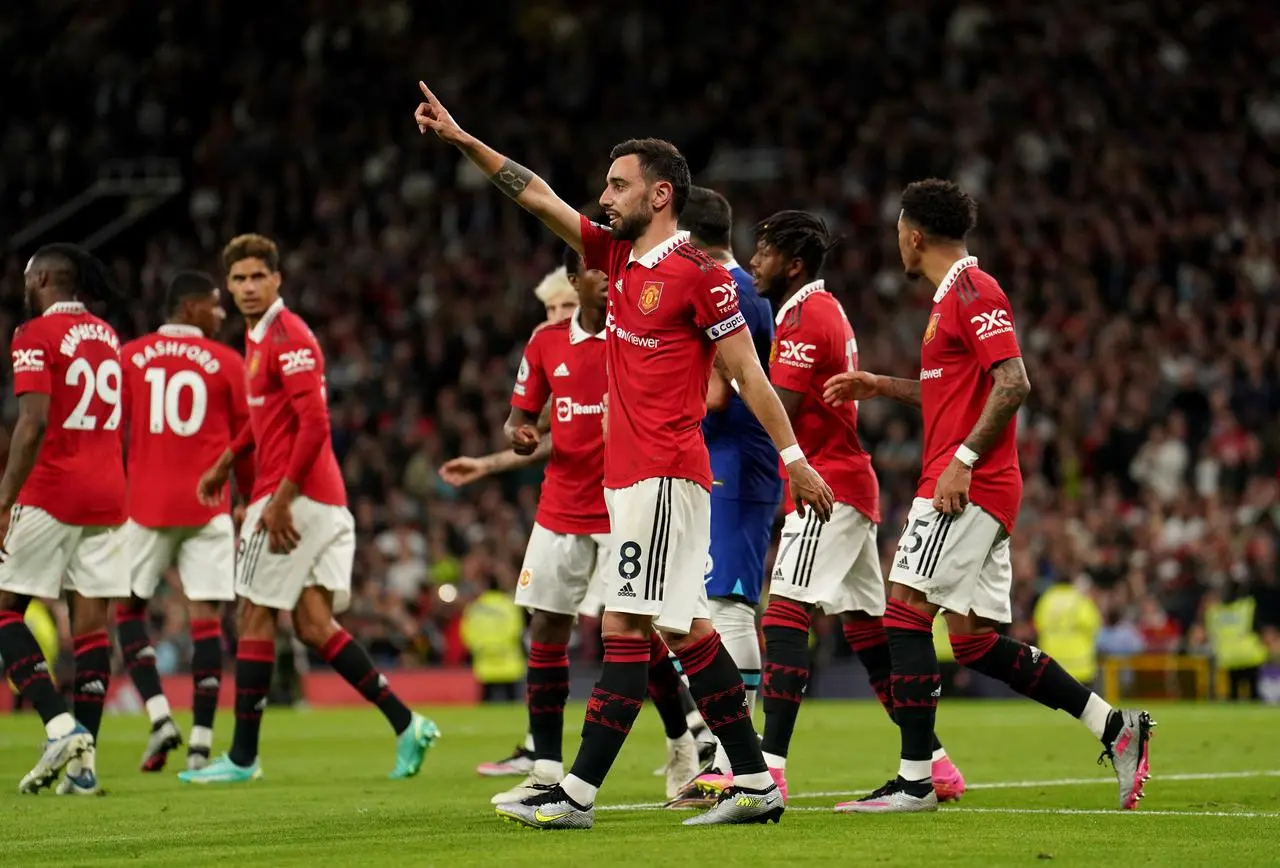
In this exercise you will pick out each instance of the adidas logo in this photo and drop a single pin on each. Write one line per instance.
(209, 682)
(1035, 654)
(561, 371)
(40, 667)
(260, 705)
(903, 564)
(382, 681)
(95, 687)
(147, 652)
(937, 692)
(617, 284)
(627, 591)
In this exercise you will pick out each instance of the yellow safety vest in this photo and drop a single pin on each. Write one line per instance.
(1230, 629)
(491, 628)
(1067, 623)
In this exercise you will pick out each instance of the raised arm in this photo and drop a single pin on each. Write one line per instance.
(528, 190)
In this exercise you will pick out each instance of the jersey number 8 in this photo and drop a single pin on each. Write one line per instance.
(166, 398)
(105, 383)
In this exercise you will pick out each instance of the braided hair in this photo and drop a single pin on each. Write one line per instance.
(797, 235)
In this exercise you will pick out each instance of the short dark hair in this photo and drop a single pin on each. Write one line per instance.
(797, 235)
(660, 161)
(571, 259)
(251, 246)
(940, 208)
(77, 272)
(708, 217)
(184, 285)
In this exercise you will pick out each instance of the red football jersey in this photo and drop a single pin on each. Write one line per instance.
(74, 358)
(184, 399)
(565, 363)
(969, 331)
(812, 344)
(288, 409)
(667, 309)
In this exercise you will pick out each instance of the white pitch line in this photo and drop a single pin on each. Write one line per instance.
(1248, 815)
(1010, 785)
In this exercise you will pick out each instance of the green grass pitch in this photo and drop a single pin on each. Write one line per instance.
(1036, 795)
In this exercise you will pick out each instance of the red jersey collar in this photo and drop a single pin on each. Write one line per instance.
(577, 334)
(663, 249)
(178, 330)
(260, 330)
(801, 294)
(67, 307)
(959, 266)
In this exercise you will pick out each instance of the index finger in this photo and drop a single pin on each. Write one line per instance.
(431, 97)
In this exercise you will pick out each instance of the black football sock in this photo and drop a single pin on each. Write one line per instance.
(692, 718)
(786, 672)
(255, 661)
(665, 688)
(351, 662)
(915, 685)
(26, 667)
(139, 656)
(206, 679)
(613, 707)
(93, 675)
(869, 641)
(1023, 667)
(717, 687)
(546, 691)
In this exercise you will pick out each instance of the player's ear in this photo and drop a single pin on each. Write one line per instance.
(660, 194)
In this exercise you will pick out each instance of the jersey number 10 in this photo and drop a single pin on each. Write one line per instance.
(166, 398)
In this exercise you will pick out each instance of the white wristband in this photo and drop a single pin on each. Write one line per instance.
(792, 454)
(966, 456)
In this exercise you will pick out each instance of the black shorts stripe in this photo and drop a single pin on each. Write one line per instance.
(929, 557)
(794, 578)
(14, 515)
(656, 560)
(664, 554)
(809, 552)
(249, 557)
(942, 544)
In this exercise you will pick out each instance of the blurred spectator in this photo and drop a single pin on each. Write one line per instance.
(491, 629)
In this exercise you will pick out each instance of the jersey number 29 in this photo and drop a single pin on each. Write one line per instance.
(105, 383)
(166, 401)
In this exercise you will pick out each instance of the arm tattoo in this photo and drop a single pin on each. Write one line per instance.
(1010, 389)
(512, 179)
(903, 391)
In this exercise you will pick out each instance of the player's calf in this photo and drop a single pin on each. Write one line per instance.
(25, 666)
(140, 662)
(92, 660)
(866, 637)
(665, 688)
(786, 674)
(206, 677)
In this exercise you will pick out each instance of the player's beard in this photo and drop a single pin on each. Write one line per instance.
(632, 226)
(773, 288)
(29, 304)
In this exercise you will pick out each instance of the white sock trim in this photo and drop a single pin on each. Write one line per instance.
(158, 708)
(773, 761)
(939, 755)
(579, 790)
(59, 726)
(915, 770)
(548, 770)
(201, 736)
(1095, 715)
(757, 781)
(528, 741)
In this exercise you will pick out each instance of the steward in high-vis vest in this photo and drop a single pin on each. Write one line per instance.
(1237, 647)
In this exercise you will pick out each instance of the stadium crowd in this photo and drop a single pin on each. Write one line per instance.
(1124, 164)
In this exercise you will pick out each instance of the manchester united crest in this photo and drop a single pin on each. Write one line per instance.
(253, 364)
(773, 352)
(932, 328)
(650, 295)
(526, 576)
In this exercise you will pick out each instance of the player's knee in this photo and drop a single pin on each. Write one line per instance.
(89, 615)
(626, 624)
(10, 602)
(255, 622)
(699, 629)
(782, 612)
(549, 628)
(908, 595)
(201, 610)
